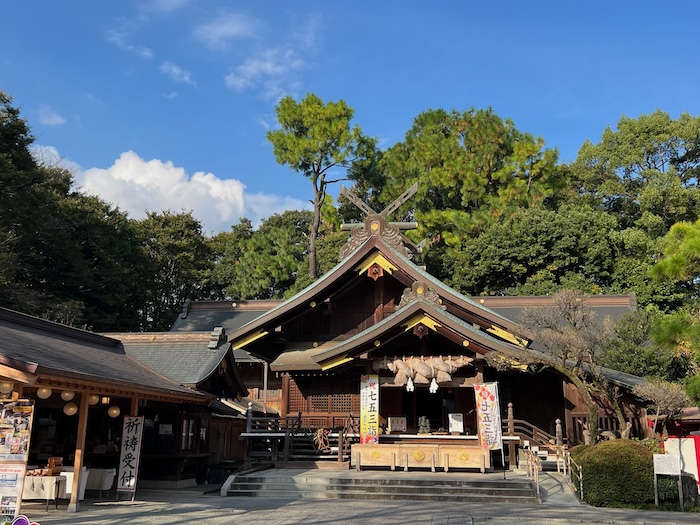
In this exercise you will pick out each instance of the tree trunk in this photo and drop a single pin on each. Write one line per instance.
(591, 403)
(315, 224)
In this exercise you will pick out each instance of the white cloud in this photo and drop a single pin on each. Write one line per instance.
(50, 117)
(49, 156)
(220, 31)
(137, 186)
(177, 73)
(272, 68)
(119, 39)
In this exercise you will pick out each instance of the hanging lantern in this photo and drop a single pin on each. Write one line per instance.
(113, 411)
(93, 399)
(44, 392)
(70, 409)
(6, 387)
(67, 395)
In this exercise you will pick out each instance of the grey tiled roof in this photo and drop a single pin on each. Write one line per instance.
(202, 316)
(187, 363)
(43, 347)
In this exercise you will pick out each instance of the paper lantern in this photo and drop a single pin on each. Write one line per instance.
(44, 392)
(70, 409)
(67, 395)
(6, 387)
(113, 411)
(93, 399)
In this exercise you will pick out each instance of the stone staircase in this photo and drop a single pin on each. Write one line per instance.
(383, 485)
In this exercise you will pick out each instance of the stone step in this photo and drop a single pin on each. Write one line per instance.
(416, 489)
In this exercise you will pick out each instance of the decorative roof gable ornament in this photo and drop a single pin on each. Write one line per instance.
(420, 289)
(377, 225)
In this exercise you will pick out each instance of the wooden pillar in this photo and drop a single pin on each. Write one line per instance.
(134, 410)
(74, 503)
(512, 451)
(284, 412)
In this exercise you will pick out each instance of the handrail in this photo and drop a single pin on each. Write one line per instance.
(529, 431)
(575, 473)
(534, 466)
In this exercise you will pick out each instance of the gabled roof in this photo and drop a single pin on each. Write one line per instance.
(36, 352)
(419, 312)
(372, 251)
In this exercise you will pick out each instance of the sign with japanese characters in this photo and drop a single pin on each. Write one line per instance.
(130, 453)
(489, 416)
(369, 409)
(667, 464)
(11, 479)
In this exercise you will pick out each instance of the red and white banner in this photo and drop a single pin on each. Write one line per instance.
(489, 416)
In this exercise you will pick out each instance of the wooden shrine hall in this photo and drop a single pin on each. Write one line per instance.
(379, 319)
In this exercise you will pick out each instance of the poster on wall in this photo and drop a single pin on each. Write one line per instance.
(369, 409)
(488, 414)
(16, 418)
(15, 429)
(130, 452)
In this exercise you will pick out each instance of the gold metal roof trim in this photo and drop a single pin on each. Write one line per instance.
(377, 259)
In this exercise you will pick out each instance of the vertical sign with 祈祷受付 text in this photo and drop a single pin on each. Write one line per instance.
(130, 453)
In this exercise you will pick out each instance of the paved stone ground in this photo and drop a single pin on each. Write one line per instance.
(192, 506)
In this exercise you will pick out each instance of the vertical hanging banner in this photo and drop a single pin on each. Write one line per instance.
(489, 415)
(130, 453)
(369, 409)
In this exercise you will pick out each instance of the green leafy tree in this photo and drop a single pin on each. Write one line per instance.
(317, 140)
(265, 263)
(680, 329)
(538, 251)
(227, 250)
(179, 261)
(633, 351)
(473, 168)
(63, 255)
(645, 171)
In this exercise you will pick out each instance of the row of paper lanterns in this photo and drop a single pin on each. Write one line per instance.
(70, 409)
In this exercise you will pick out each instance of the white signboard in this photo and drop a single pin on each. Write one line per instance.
(130, 453)
(667, 464)
(11, 478)
(456, 422)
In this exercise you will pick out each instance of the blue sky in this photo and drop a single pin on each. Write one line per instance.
(164, 104)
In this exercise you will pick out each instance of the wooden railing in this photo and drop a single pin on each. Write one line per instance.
(534, 467)
(288, 438)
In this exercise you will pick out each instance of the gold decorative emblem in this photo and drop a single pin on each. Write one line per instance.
(375, 454)
(464, 456)
(419, 455)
